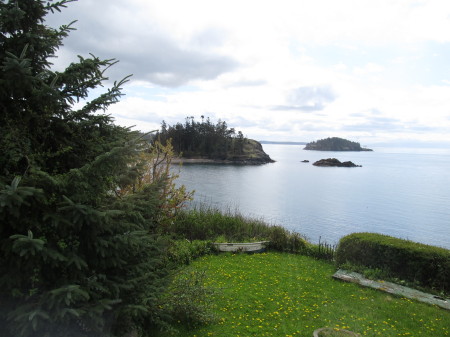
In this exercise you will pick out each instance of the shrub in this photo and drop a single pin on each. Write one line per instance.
(425, 265)
(187, 301)
(282, 239)
(184, 251)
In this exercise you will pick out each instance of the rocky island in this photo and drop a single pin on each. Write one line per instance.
(335, 144)
(335, 162)
(252, 154)
(214, 143)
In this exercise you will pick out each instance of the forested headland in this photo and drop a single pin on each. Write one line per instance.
(208, 140)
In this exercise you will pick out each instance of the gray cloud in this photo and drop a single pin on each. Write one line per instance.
(374, 124)
(380, 124)
(173, 67)
(209, 38)
(147, 52)
(308, 99)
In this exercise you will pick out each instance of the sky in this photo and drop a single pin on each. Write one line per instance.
(375, 72)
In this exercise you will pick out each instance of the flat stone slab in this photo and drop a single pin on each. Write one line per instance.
(392, 288)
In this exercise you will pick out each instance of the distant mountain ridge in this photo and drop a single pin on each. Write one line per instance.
(335, 144)
(282, 143)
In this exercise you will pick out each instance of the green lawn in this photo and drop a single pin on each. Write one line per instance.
(276, 294)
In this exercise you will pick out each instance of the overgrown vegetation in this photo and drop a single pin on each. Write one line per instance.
(183, 251)
(213, 225)
(420, 264)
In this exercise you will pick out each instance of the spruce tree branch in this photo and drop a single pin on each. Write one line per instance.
(57, 5)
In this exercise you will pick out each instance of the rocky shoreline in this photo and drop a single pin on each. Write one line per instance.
(246, 161)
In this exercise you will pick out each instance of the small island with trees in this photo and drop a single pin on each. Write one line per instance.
(207, 142)
(335, 144)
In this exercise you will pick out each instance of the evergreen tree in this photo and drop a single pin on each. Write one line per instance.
(75, 255)
(203, 139)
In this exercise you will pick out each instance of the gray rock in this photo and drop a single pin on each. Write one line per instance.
(335, 162)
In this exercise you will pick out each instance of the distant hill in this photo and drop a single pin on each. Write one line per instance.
(334, 144)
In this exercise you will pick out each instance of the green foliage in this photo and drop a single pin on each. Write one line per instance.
(80, 261)
(322, 251)
(185, 251)
(188, 301)
(283, 240)
(211, 224)
(208, 223)
(203, 139)
(334, 144)
(74, 255)
(427, 266)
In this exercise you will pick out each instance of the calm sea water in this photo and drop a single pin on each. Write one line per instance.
(400, 192)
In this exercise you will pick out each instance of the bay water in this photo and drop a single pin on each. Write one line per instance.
(402, 192)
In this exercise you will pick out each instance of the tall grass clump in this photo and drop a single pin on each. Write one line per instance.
(210, 224)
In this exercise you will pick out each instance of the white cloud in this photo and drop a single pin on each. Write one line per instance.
(238, 60)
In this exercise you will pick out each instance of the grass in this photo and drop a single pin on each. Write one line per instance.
(206, 223)
(210, 224)
(281, 294)
(329, 332)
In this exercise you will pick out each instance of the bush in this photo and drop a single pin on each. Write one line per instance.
(425, 265)
(187, 301)
(184, 251)
(283, 240)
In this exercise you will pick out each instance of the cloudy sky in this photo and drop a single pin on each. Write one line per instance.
(288, 70)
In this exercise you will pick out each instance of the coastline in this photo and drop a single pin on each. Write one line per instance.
(247, 161)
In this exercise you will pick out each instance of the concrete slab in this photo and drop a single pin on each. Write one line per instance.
(392, 288)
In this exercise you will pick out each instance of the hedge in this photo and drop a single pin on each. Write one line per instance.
(428, 266)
